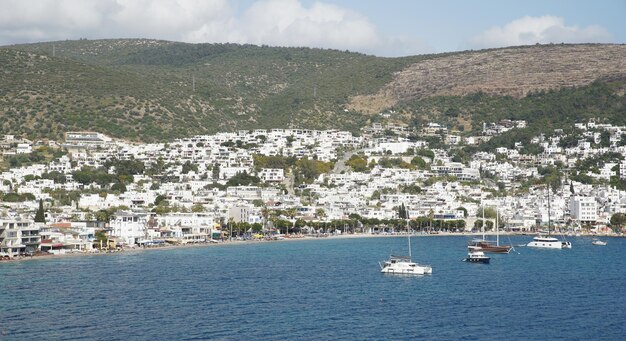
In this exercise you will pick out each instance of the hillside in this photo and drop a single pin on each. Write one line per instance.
(154, 90)
(514, 72)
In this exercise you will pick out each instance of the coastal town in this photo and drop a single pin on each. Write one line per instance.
(91, 192)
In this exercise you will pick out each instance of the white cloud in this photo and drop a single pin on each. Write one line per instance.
(545, 29)
(269, 22)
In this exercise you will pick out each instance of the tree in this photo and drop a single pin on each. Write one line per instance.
(419, 163)
(618, 219)
(490, 213)
(119, 187)
(40, 216)
(188, 166)
(197, 208)
(402, 212)
(243, 179)
(216, 171)
(357, 163)
(320, 213)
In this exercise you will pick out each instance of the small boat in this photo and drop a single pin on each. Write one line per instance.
(403, 265)
(476, 256)
(598, 242)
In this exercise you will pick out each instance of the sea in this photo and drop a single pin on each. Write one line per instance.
(322, 289)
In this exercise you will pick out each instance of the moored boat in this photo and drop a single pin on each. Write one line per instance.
(403, 265)
(488, 246)
(474, 255)
(598, 242)
(548, 242)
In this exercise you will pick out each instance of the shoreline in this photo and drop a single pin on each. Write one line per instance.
(43, 256)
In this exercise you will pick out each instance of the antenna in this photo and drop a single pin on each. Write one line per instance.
(53, 51)
(193, 83)
(315, 91)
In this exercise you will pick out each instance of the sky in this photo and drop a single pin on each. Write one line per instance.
(388, 28)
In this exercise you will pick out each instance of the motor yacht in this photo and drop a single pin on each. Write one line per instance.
(474, 255)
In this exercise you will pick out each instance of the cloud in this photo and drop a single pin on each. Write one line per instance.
(264, 22)
(545, 29)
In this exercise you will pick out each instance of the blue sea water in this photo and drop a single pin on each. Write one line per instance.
(319, 290)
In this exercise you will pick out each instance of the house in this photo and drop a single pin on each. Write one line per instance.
(19, 235)
(128, 227)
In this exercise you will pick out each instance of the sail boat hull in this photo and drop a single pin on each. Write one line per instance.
(487, 247)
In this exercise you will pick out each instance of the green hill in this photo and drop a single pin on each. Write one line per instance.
(155, 90)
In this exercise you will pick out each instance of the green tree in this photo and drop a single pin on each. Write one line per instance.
(419, 163)
(490, 213)
(197, 208)
(357, 163)
(618, 220)
(215, 173)
(188, 166)
(243, 179)
(40, 216)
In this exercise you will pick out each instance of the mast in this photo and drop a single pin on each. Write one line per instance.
(409, 246)
(497, 229)
(549, 210)
(483, 227)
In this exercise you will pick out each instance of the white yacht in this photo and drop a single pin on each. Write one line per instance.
(548, 242)
(403, 265)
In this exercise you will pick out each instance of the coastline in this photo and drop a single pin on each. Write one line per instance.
(43, 256)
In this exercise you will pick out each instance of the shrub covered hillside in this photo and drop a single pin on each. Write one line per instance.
(152, 90)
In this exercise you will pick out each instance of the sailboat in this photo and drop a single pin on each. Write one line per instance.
(403, 265)
(487, 245)
(548, 242)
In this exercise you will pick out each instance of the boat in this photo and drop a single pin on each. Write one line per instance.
(598, 242)
(488, 245)
(404, 265)
(475, 255)
(548, 242)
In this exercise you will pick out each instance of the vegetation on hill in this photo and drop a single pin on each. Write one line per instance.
(156, 90)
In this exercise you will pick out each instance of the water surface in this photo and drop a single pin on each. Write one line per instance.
(319, 290)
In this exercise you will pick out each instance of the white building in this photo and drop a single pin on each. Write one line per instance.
(272, 174)
(583, 209)
(129, 227)
(18, 236)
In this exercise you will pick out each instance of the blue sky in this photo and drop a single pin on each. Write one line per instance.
(384, 28)
(449, 25)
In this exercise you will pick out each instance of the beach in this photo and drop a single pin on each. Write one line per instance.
(287, 238)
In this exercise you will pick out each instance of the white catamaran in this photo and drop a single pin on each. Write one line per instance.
(548, 242)
(403, 265)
